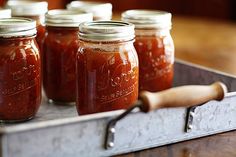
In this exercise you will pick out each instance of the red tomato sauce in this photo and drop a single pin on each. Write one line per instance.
(60, 48)
(106, 80)
(20, 82)
(155, 63)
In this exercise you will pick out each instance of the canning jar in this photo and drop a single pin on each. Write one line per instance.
(31, 9)
(60, 47)
(106, 66)
(5, 13)
(100, 11)
(20, 83)
(154, 46)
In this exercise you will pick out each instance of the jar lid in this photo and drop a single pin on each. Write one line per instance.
(27, 8)
(147, 18)
(15, 27)
(67, 18)
(98, 9)
(106, 31)
(5, 13)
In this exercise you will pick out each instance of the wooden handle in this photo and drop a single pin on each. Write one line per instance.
(184, 96)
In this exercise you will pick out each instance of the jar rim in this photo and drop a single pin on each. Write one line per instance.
(66, 18)
(147, 18)
(5, 13)
(106, 31)
(12, 27)
(27, 8)
(97, 8)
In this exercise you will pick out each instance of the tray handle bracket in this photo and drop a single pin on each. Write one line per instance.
(189, 118)
(110, 130)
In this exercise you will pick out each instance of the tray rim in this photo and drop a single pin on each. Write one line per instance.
(204, 68)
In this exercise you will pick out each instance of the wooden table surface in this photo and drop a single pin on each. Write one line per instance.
(206, 42)
(221, 145)
(212, 44)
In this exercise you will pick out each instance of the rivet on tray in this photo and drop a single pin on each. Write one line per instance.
(190, 127)
(112, 130)
(192, 114)
(111, 144)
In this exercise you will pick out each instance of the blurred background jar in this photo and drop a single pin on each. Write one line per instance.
(20, 82)
(106, 66)
(31, 9)
(5, 13)
(154, 46)
(100, 11)
(60, 48)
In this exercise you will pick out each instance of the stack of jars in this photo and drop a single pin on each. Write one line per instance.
(98, 65)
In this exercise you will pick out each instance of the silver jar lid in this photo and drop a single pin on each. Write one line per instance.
(147, 18)
(106, 31)
(17, 27)
(67, 18)
(27, 8)
(5, 13)
(98, 9)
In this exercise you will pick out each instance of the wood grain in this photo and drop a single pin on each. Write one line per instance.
(221, 145)
(206, 42)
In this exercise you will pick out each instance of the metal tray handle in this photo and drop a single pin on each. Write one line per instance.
(184, 96)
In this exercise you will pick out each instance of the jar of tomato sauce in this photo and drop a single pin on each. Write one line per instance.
(20, 83)
(31, 9)
(154, 46)
(60, 47)
(107, 67)
(100, 11)
(5, 13)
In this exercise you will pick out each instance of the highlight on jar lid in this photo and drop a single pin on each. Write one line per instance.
(106, 31)
(100, 10)
(147, 18)
(5, 13)
(67, 18)
(27, 8)
(17, 27)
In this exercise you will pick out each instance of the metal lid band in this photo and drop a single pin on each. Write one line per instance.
(5, 13)
(106, 31)
(148, 18)
(66, 18)
(97, 8)
(27, 8)
(11, 27)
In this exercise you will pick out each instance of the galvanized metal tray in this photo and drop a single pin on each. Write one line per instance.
(57, 131)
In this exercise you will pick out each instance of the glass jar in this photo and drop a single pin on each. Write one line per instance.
(154, 46)
(60, 47)
(107, 67)
(100, 11)
(20, 82)
(2, 3)
(34, 10)
(5, 13)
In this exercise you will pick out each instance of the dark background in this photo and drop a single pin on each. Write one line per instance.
(216, 9)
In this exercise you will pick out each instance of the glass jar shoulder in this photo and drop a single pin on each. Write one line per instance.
(18, 48)
(108, 49)
(154, 40)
